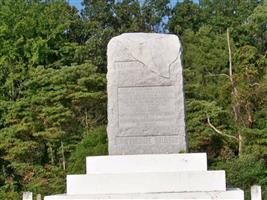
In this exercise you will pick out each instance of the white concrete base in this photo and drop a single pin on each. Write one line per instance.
(230, 194)
(146, 163)
(186, 181)
(160, 176)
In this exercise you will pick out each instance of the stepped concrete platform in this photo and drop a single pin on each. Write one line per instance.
(148, 182)
(146, 163)
(156, 176)
(229, 194)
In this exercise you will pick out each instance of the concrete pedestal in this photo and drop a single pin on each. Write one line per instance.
(163, 176)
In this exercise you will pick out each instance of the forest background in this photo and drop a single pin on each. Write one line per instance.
(53, 85)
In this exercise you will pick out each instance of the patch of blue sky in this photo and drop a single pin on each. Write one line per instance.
(78, 3)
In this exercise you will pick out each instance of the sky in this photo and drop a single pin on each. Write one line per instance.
(78, 5)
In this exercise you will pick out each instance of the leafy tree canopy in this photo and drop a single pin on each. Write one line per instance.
(53, 86)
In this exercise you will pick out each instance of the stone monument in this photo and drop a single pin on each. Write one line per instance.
(146, 131)
(145, 94)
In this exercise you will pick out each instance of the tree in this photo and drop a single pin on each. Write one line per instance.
(53, 86)
(50, 94)
(185, 15)
(225, 82)
(94, 143)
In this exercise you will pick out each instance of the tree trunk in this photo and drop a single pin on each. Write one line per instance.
(63, 156)
(234, 96)
(50, 150)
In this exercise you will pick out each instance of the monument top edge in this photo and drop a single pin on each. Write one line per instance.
(156, 51)
(139, 37)
(130, 34)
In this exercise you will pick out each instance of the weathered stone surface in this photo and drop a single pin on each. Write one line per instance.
(145, 94)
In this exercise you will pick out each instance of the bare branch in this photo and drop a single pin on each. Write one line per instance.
(254, 84)
(218, 131)
(210, 74)
(230, 56)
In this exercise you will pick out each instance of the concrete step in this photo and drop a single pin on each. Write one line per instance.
(230, 194)
(186, 181)
(147, 163)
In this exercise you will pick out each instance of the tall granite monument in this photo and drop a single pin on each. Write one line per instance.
(145, 94)
(146, 117)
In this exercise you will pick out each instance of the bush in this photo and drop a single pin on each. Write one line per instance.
(243, 172)
(94, 143)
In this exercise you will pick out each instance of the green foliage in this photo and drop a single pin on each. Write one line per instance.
(208, 88)
(53, 86)
(9, 195)
(182, 20)
(47, 180)
(50, 95)
(94, 143)
(256, 27)
(202, 137)
(244, 172)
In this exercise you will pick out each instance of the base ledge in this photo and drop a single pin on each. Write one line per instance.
(230, 194)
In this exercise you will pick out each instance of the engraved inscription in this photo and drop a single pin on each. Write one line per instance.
(148, 144)
(147, 111)
(147, 140)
